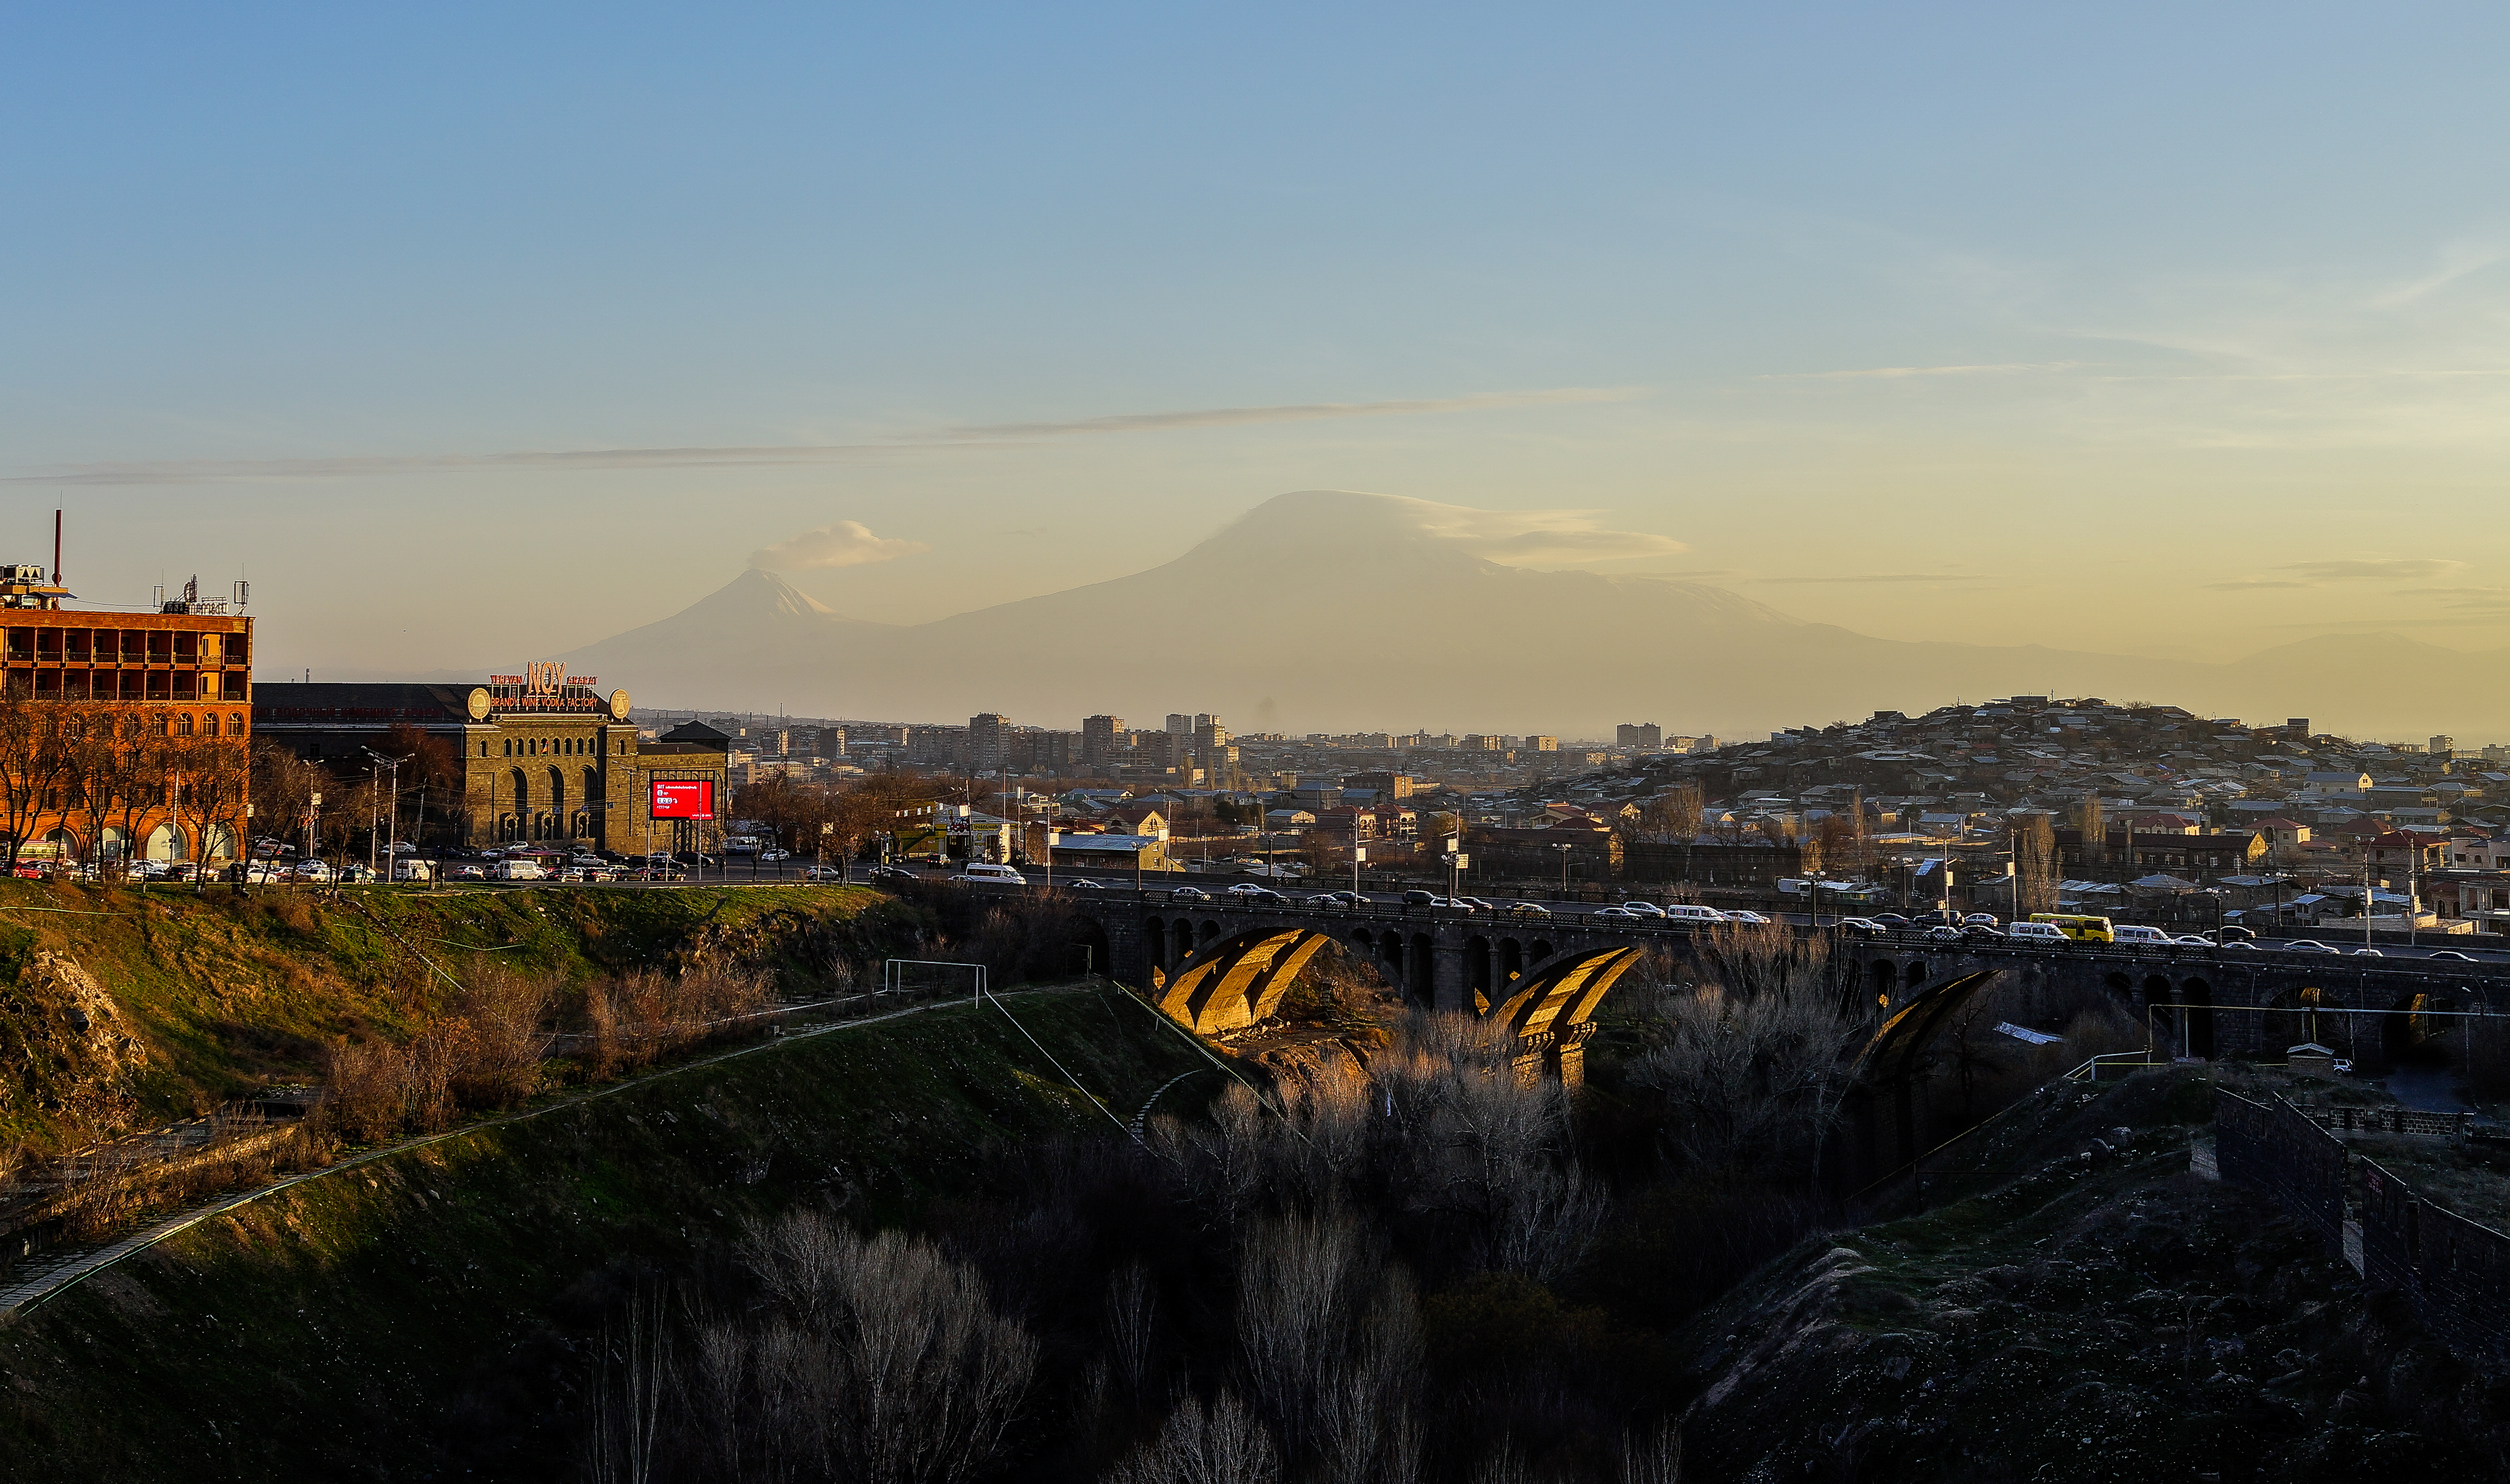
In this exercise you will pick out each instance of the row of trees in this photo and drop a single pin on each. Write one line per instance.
(806, 818)
(107, 776)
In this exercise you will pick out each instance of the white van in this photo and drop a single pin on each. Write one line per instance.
(1000, 875)
(520, 868)
(2131, 932)
(414, 870)
(1684, 912)
(2038, 932)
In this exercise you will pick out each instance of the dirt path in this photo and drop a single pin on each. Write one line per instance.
(44, 1279)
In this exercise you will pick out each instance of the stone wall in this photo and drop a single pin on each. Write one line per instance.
(2453, 1271)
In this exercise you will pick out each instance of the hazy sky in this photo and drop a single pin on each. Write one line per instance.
(2169, 329)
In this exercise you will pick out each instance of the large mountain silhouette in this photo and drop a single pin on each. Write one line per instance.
(1330, 610)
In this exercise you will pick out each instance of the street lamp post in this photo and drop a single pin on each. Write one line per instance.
(1564, 848)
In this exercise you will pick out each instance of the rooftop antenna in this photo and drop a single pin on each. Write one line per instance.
(57, 547)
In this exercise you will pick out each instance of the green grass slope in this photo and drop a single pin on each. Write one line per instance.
(217, 994)
(437, 1314)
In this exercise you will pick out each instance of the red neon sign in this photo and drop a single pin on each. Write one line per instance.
(693, 799)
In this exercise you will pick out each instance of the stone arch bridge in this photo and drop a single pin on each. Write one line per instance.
(1221, 965)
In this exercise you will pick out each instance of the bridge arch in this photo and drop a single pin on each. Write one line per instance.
(1230, 983)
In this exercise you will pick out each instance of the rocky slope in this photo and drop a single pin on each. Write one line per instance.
(2104, 1316)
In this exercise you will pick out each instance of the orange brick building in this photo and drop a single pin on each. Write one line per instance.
(86, 770)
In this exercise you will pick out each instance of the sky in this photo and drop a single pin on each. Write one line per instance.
(471, 335)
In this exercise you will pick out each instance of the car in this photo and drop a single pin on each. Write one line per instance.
(2192, 940)
(823, 873)
(469, 873)
(1189, 893)
(1982, 920)
(1527, 909)
(1084, 884)
(1980, 929)
(2368, 953)
(1943, 935)
(1616, 914)
(585, 863)
(1420, 898)
(1890, 922)
(1338, 899)
(888, 873)
(2452, 953)
(775, 855)
(1643, 909)
(1939, 918)
(1862, 927)
(1739, 915)
(2304, 945)
(698, 859)
(2250, 948)
(1476, 904)
(313, 870)
(2231, 933)
(2036, 933)
(1249, 888)
(2343, 1066)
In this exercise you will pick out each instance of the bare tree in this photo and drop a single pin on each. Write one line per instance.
(1753, 1066)
(1219, 1444)
(890, 1352)
(2034, 866)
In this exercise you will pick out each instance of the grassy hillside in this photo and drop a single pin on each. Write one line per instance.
(207, 997)
(438, 1313)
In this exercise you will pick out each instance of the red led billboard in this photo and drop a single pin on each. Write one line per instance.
(693, 799)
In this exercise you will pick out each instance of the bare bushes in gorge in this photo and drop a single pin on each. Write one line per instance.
(1349, 1280)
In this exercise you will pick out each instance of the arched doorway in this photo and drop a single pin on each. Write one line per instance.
(1155, 937)
(167, 843)
(519, 786)
(557, 819)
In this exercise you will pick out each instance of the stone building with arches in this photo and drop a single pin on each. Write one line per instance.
(545, 757)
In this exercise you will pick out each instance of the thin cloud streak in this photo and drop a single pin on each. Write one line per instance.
(1884, 577)
(1888, 372)
(771, 455)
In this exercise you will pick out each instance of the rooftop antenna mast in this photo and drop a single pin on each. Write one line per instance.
(57, 547)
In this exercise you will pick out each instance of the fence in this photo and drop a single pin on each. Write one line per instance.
(2274, 1148)
(2455, 1273)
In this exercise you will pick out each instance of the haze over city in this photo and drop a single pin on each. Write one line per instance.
(1125, 743)
(472, 336)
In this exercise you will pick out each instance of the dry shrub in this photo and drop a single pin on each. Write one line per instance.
(505, 1015)
(365, 1089)
(877, 1360)
(243, 1157)
(632, 1018)
(293, 911)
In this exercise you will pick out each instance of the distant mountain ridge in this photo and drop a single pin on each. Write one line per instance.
(1327, 610)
